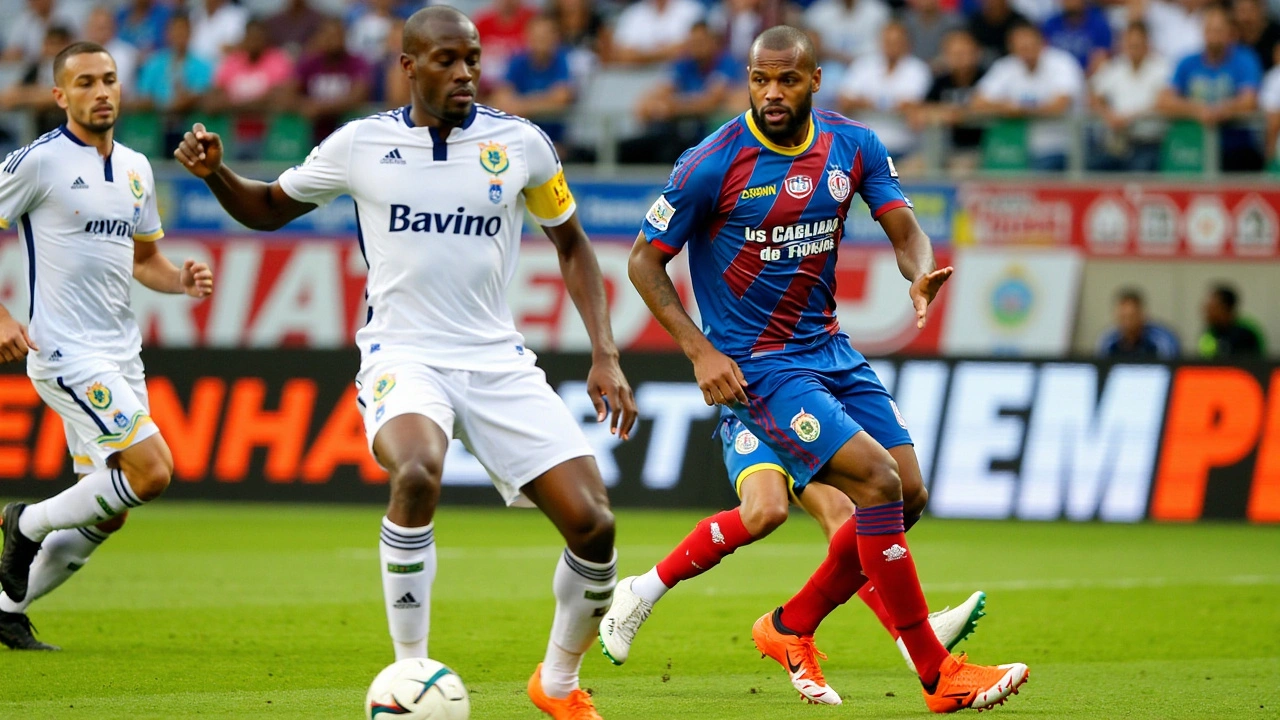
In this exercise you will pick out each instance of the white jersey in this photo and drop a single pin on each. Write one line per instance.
(78, 215)
(439, 224)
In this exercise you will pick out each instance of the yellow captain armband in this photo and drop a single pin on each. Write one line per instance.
(551, 202)
(4, 224)
(149, 237)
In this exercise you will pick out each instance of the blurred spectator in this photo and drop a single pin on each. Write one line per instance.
(1039, 83)
(1217, 87)
(144, 24)
(293, 27)
(502, 27)
(1177, 28)
(174, 79)
(881, 87)
(34, 92)
(249, 83)
(582, 29)
(1082, 30)
(217, 26)
(1037, 12)
(1124, 96)
(1135, 337)
(1256, 30)
(538, 85)
(676, 112)
(992, 25)
(25, 35)
(100, 27)
(845, 30)
(950, 96)
(391, 84)
(654, 31)
(368, 30)
(331, 82)
(928, 25)
(1269, 100)
(737, 22)
(1225, 333)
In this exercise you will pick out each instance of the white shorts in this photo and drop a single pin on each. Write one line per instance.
(511, 420)
(104, 410)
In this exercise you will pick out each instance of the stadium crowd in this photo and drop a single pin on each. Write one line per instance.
(986, 71)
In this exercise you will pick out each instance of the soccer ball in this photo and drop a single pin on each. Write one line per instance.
(417, 689)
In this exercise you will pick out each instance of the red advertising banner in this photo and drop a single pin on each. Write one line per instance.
(304, 291)
(1125, 219)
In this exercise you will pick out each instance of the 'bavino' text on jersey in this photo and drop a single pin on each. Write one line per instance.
(119, 228)
(404, 218)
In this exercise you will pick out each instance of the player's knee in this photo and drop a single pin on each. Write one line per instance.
(591, 535)
(114, 523)
(883, 480)
(763, 518)
(150, 478)
(913, 504)
(416, 481)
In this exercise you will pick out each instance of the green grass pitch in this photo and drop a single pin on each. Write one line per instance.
(242, 611)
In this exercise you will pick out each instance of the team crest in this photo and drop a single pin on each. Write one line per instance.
(799, 186)
(493, 158)
(120, 419)
(745, 443)
(135, 184)
(383, 386)
(806, 426)
(99, 396)
(838, 184)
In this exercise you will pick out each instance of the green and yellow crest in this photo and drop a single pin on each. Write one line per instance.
(383, 386)
(99, 396)
(135, 184)
(493, 158)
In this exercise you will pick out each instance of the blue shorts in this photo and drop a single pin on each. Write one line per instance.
(744, 454)
(806, 404)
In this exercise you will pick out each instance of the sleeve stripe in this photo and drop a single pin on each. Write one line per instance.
(891, 205)
(4, 224)
(683, 173)
(149, 237)
(664, 247)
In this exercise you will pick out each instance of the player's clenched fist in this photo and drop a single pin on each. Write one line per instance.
(14, 340)
(197, 279)
(200, 151)
(720, 378)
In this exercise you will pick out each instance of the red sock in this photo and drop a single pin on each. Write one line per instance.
(873, 600)
(831, 585)
(882, 547)
(713, 539)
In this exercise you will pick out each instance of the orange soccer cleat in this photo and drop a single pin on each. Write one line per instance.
(962, 684)
(798, 655)
(577, 706)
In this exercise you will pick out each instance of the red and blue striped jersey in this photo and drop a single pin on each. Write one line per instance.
(763, 224)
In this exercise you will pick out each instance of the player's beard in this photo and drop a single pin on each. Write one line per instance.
(92, 123)
(793, 124)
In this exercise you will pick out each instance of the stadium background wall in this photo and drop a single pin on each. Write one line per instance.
(997, 439)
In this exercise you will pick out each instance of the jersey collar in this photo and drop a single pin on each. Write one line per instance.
(770, 145)
(405, 112)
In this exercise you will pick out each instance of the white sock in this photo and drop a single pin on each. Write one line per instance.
(408, 557)
(649, 586)
(583, 591)
(99, 496)
(61, 555)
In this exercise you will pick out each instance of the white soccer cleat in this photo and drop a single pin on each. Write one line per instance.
(620, 624)
(952, 625)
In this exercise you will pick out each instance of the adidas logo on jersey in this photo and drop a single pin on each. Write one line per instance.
(407, 602)
(393, 158)
(79, 184)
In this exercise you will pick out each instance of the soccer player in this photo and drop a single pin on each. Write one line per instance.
(441, 187)
(766, 491)
(762, 205)
(85, 206)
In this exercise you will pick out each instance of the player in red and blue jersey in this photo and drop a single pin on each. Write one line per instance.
(761, 205)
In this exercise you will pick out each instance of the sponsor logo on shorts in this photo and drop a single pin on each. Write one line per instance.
(895, 552)
(745, 443)
(383, 386)
(660, 214)
(806, 426)
(902, 422)
(603, 595)
(99, 396)
(120, 419)
(404, 569)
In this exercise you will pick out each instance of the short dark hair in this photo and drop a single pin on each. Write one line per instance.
(1138, 26)
(76, 48)
(1226, 295)
(1020, 24)
(1131, 295)
(785, 37)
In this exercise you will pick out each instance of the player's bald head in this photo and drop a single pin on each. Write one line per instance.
(428, 26)
(787, 39)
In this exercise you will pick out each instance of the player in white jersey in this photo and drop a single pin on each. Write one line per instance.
(441, 188)
(85, 208)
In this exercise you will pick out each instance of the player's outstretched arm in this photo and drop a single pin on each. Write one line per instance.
(253, 203)
(14, 340)
(582, 278)
(719, 377)
(915, 259)
(154, 270)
